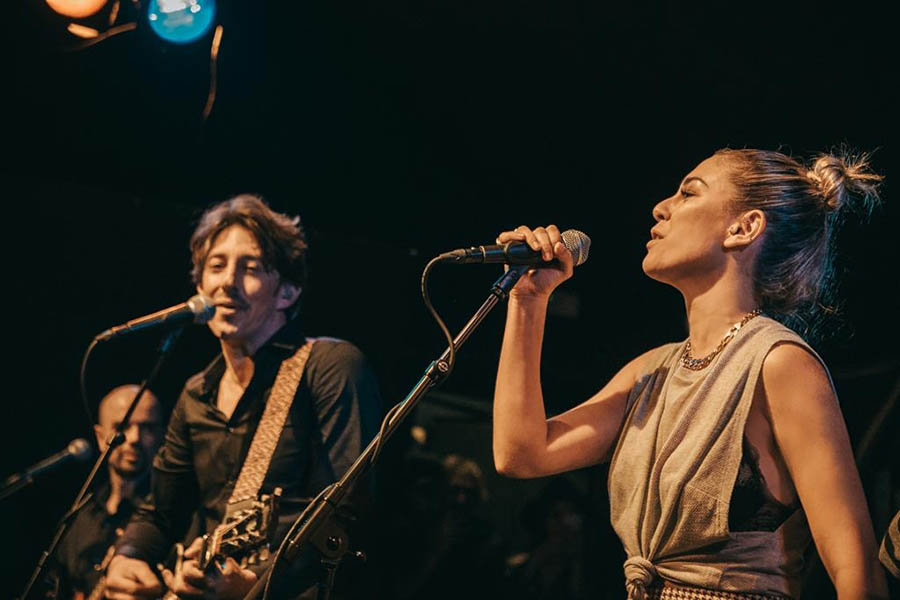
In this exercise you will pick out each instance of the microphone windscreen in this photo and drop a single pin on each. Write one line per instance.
(80, 449)
(202, 307)
(578, 243)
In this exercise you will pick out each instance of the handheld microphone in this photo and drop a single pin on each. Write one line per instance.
(78, 449)
(199, 309)
(519, 253)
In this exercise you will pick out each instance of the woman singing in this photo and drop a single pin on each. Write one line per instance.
(727, 450)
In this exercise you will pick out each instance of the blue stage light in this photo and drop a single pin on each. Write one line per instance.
(181, 21)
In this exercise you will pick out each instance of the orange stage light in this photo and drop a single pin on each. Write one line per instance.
(76, 9)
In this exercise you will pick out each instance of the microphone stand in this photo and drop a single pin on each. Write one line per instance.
(16, 483)
(112, 443)
(319, 528)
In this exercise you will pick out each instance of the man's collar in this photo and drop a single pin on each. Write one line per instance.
(283, 343)
(104, 489)
(287, 339)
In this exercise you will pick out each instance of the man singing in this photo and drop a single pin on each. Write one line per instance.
(250, 261)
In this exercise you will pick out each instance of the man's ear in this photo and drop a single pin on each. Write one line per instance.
(745, 229)
(288, 293)
(98, 433)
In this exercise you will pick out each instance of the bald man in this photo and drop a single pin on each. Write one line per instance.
(94, 529)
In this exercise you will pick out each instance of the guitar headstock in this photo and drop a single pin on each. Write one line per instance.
(244, 534)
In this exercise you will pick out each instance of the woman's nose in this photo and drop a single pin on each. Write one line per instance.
(661, 210)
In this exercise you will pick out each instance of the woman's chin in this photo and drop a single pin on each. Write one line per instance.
(654, 271)
(649, 267)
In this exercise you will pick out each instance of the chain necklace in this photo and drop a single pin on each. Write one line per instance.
(696, 364)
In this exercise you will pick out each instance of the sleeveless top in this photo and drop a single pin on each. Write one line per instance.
(674, 469)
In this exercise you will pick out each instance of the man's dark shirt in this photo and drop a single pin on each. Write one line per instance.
(87, 539)
(334, 414)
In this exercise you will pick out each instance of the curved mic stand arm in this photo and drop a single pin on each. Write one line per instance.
(115, 440)
(319, 528)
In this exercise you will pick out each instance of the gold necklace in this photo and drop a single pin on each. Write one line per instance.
(696, 364)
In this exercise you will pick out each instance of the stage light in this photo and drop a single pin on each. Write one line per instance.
(181, 21)
(77, 9)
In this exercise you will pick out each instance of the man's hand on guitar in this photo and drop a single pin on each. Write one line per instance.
(132, 579)
(222, 581)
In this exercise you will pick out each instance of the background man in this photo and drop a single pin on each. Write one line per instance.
(94, 529)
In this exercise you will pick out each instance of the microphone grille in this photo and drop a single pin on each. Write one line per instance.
(80, 449)
(202, 307)
(578, 243)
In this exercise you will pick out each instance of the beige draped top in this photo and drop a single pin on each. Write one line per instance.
(675, 465)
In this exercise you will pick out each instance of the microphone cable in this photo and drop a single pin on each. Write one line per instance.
(451, 359)
(82, 382)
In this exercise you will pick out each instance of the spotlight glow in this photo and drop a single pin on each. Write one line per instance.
(181, 21)
(77, 9)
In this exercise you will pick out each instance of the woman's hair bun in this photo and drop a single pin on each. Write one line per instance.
(844, 180)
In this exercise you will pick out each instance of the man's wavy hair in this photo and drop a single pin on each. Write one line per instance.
(280, 238)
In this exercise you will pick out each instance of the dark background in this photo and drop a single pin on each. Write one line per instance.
(400, 130)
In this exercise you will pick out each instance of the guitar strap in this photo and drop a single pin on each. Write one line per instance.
(256, 464)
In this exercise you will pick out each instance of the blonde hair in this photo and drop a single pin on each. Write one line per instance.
(804, 203)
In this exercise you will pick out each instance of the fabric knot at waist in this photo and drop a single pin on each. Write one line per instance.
(639, 573)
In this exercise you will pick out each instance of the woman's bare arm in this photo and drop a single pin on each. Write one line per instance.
(526, 443)
(812, 437)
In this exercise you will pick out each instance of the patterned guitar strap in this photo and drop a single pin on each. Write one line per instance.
(256, 464)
